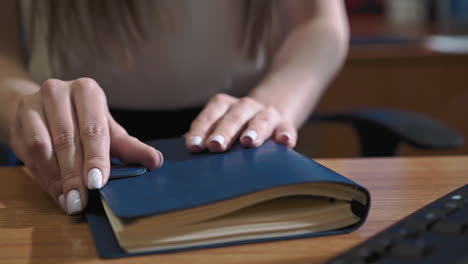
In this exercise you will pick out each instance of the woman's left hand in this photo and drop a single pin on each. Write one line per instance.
(226, 118)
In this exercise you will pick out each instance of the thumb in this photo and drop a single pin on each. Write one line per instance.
(131, 150)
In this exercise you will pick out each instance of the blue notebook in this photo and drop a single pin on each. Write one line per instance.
(246, 195)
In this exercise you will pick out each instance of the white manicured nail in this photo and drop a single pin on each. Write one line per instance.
(74, 202)
(250, 134)
(217, 138)
(196, 141)
(286, 136)
(61, 200)
(94, 179)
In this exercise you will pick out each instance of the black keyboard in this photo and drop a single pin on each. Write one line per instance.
(436, 233)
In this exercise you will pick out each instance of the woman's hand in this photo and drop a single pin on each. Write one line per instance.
(312, 51)
(64, 134)
(226, 118)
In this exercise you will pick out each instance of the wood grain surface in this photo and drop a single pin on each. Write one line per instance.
(33, 230)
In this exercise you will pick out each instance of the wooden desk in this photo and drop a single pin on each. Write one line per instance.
(33, 231)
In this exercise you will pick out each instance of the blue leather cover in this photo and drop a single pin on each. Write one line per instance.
(187, 180)
(122, 171)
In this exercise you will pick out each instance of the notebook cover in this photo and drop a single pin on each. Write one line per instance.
(187, 180)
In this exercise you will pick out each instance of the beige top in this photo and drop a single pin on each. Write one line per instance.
(183, 69)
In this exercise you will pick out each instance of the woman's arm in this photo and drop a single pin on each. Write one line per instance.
(61, 130)
(314, 50)
(14, 80)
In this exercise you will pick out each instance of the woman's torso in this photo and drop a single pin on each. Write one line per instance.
(177, 69)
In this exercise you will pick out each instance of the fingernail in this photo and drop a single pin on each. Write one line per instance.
(94, 179)
(285, 136)
(161, 159)
(250, 135)
(61, 200)
(218, 139)
(74, 202)
(196, 141)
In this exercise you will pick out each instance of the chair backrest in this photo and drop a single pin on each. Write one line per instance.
(381, 131)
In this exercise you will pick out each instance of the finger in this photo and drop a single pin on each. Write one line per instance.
(286, 134)
(91, 110)
(63, 131)
(228, 128)
(260, 127)
(208, 117)
(15, 141)
(16, 145)
(130, 150)
(35, 140)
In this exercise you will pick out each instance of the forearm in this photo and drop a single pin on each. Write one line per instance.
(14, 84)
(310, 56)
(14, 80)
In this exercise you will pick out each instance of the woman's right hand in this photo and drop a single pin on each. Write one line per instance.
(64, 135)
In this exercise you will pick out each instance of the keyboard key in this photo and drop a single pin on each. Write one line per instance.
(424, 221)
(384, 244)
(406, 232)
(456, 223)
(443, 210)
(368, 254)
(415, 248)
(456, 197)
(458, 200)
(454, 204)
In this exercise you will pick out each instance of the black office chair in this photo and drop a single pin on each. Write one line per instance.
(380, 132)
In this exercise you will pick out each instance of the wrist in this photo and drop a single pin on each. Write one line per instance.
(294, 99)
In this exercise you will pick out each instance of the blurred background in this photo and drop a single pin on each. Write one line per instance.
(405, 55)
